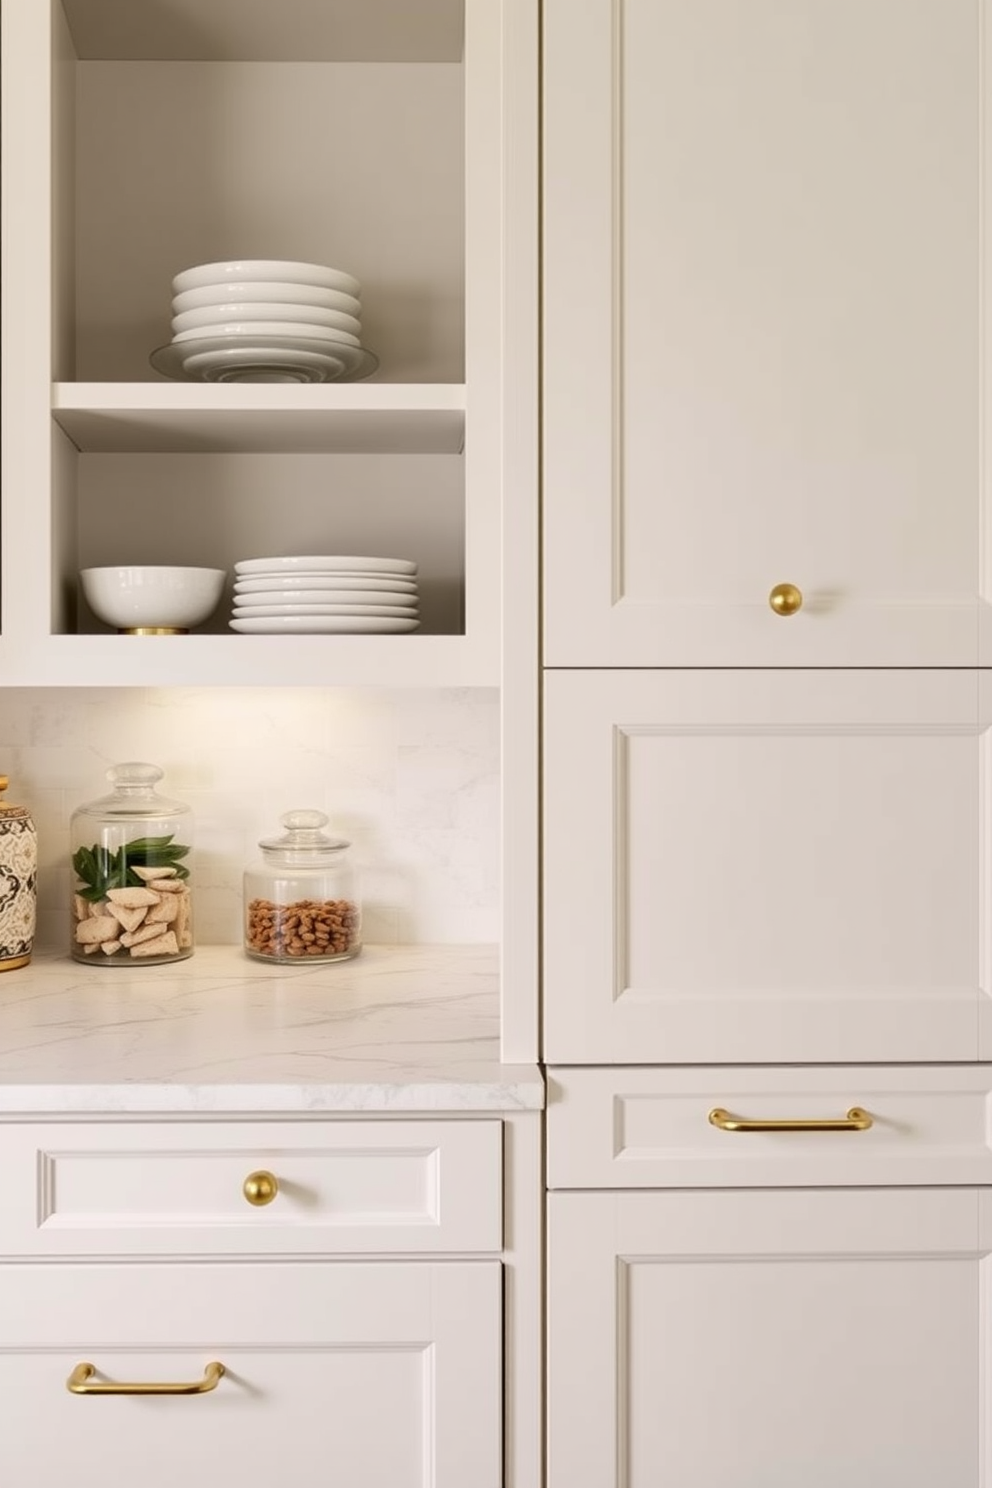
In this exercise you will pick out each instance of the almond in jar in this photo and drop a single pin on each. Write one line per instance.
(301, 904)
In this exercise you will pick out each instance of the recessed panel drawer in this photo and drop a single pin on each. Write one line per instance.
(250, 1188)
(762, 1127)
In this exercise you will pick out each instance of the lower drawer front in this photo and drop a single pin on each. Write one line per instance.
(374, 1375)
(654, 1128)
(170, 1188)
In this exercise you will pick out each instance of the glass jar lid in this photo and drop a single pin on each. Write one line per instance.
(134, 793)
(303, 840)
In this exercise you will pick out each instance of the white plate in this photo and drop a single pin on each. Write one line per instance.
(216, 296)
(266, 359)
(257, 611)
(237, 312)
(323, 565)
(288, 584)
(253, 329)
(324, 625)
(251, 270)
(282, 597)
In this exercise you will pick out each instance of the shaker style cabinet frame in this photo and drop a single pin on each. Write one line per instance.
(775, 867)
(766, 358)
(364, 1374)
(140, 139)
(773, 1338)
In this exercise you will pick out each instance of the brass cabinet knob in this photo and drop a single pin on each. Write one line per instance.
(260, 1188)
(786, 599)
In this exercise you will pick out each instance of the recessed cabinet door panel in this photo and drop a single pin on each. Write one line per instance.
(769, 1340)
(767, 866)
(763, 338)
(370, 1376)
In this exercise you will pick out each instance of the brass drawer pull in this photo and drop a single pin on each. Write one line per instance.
(855, 1120)
(260, 1188)
(79, 1383)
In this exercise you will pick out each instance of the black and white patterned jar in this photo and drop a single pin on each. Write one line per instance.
(18, 883)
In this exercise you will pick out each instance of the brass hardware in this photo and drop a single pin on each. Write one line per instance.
(855, 1120)
(260, 1188)
(786, 599)
(153, 630)
(79, 1383)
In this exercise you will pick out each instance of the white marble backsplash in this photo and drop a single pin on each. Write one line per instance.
(411, 777)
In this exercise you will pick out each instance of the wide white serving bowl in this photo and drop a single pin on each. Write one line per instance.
(287, 270)
(142, 597)
(219, 315)
(255, 328)
(287, 294)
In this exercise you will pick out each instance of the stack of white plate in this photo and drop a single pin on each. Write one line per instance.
(265, 320)
(325, 596)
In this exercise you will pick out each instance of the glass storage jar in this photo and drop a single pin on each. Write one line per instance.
(301, 900)
(132, 901)
(18, 883)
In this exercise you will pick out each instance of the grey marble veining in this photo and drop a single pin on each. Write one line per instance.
(400, 1028)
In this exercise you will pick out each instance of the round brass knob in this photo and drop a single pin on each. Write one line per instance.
(786, 599)
(260, 1188)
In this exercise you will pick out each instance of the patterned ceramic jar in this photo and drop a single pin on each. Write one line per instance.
(18, 883)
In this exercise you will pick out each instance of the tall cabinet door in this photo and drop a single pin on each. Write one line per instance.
(767, 866)
(763, 336)
(769, 1340)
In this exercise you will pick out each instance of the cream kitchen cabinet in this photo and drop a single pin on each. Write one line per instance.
(383, 138)
(765, 1339)
(765, 240)
(352, 1276)
(776, 866)
(375, 1375)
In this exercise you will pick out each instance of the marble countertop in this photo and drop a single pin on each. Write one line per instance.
(400, 1028)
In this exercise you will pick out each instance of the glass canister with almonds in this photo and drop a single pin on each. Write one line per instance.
(301, 900)
(132, 902)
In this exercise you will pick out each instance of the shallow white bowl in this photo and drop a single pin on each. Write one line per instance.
(223, 315)
(325, 563)
(265, 290)
(287, 270)
(255, 328)
(154, 598)
(286, 598)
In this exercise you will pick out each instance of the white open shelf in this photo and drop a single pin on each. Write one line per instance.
(248, 661)
(365, 134)
(192, 418)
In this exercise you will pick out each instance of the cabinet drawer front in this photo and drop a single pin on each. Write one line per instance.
(651, 1128)
(87, 1187)
(365, 1374)
(775, 867)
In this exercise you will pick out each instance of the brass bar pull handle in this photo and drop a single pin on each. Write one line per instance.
(80, 1382)
(856, 1119)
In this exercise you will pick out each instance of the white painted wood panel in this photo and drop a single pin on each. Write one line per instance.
(650, 1128)
(766, 867)
(764, 271)
(176, 1188)
(374, 1376)
(769, 1340)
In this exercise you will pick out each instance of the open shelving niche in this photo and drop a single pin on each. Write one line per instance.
(342, 133)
